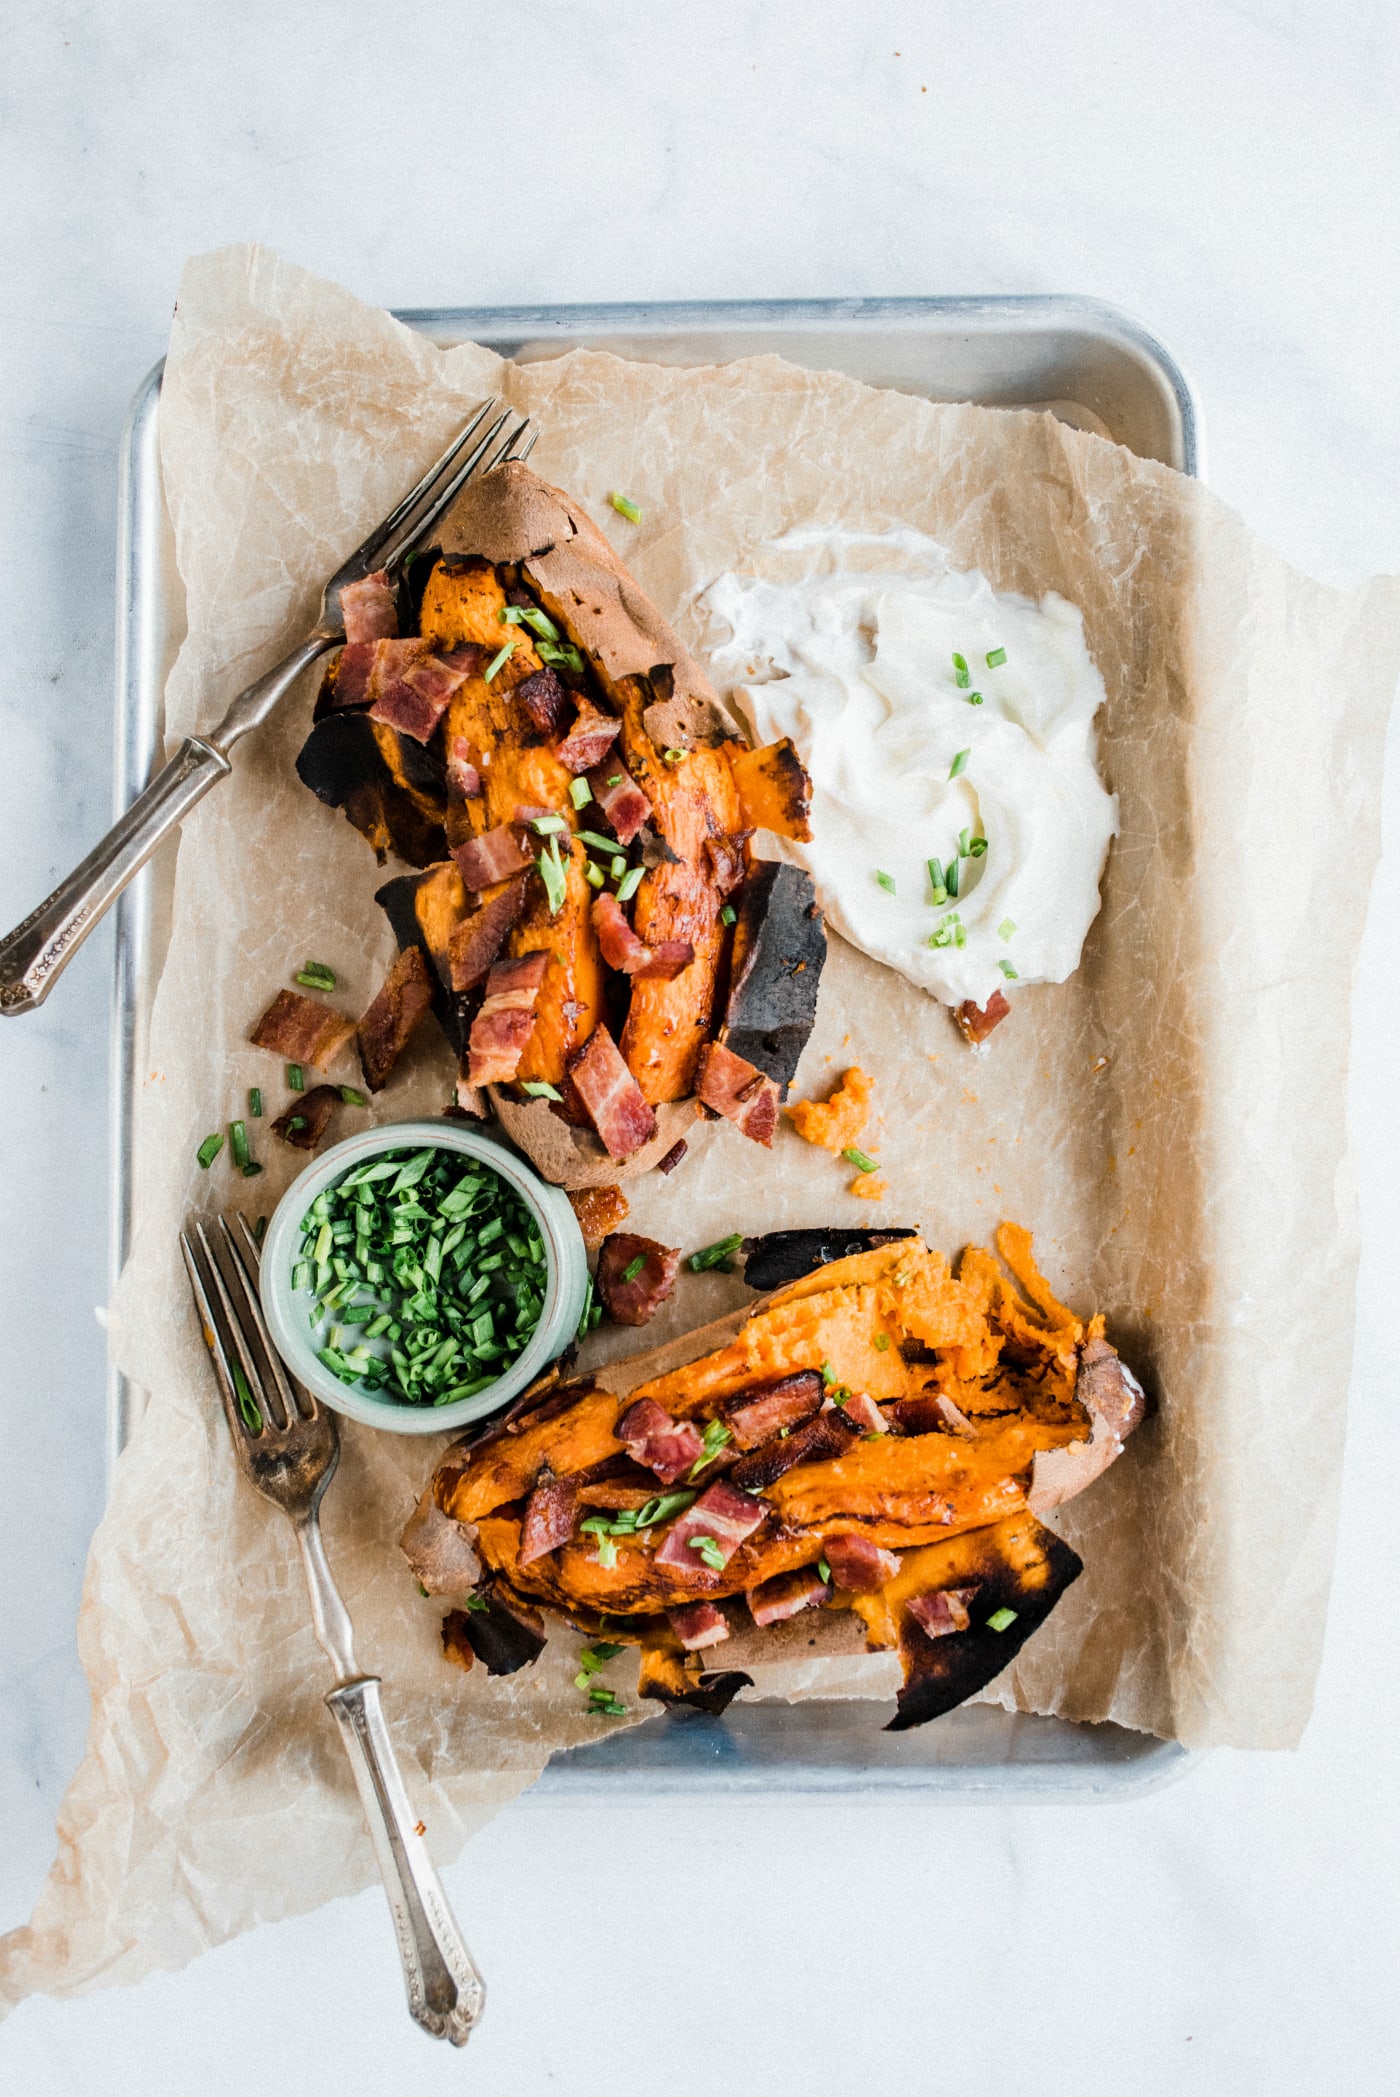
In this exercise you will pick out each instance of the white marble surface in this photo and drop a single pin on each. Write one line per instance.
(1229, 173)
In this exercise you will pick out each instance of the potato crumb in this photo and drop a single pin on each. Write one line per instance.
(869, 1186)
(835, 1123)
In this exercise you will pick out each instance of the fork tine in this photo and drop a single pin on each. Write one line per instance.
(240, 1353)
(414, 534)
(534, 440)
(214, 1339)
(383, 530)
(508, 450)
(246, 1270)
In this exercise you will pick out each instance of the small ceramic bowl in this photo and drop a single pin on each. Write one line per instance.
(289, 1311)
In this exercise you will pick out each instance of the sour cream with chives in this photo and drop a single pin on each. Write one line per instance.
(959, 824)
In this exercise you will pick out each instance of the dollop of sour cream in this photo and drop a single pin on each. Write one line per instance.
(940, 720)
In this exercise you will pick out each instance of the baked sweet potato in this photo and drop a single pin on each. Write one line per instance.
(883, 1428)
(543, 725)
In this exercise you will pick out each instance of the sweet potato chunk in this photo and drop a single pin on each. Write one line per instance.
(774, 790)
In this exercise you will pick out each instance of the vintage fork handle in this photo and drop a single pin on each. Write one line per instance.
(446, 1993)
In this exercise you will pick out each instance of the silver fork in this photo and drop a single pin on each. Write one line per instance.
(34, 955)
(289, 1447)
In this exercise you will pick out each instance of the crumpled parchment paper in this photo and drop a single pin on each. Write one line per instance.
(1170, 1122)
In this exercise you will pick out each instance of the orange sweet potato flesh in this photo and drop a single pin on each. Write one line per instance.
(774, 791)
(836, 1122)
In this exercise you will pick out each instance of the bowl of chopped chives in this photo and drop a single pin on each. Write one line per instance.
(420, 1275)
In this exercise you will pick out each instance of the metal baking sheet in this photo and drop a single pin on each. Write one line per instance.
(1088, 363)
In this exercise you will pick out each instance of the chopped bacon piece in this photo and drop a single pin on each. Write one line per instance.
(858, 1566)
(978, 1021)
(942, 1612)
(673, 1157)
(308, 1117)
(369, 608)
(599, 1210)
(589, 740)
(502, 1028)
(611, 1095)
(737, 1090)
(725, 860)
(492, 857)
(474, 944)
(620, 798)
(830, 1434)
(756, 1415)
(469, 1099)
(862, 1411)
(622, 950)
(785, 1595)
(930, 1413)
(405, 998)
(302, 1030)
(634, 1302)
(544, 699)
(411, 687)
(463, 778)
(549, 1518)
(653, 1438)
(698, 1625)
(722, 1515)
(353, 676)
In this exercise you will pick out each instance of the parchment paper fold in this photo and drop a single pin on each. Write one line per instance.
(1170, 1122)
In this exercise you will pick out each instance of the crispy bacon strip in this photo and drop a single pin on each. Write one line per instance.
(301, 1030)
(862, 1412)
(738, 1091)
(724, 859)
(698, 1625)
(502, 1028)
(599, 1210)
(976, 1022)
(674, 1156)
(463, 778)
(589, 740)
(858, 1567)
(405, 998)
(475, 944)
(549, 1518)
(755, 1416)
(404, 683)
(943, 1612)
(724, 1515)
(492, 857)
(651, 1437)
(544, 699)
(622, 950)
(311, 1112)
(611, 1095)
(369, 609)
(830, 1434)
(930, 1413)
(634, 1301)
(622, 801)
(785, 1595)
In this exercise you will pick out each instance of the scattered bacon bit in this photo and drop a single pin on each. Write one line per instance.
(739, 1091)
(942, 1612)
(312, 1112)
(468, 1099)
(474, 944)
(549, 1518)
(673, 1157)
(625, 806)
(405, 683)
(599, 1210)
(589, 740)
(785, 1595)
(830, 1434)
(836, 1122)
(369, 609)
(502, 1028)
(405, 998)
(698, 1625)
(976, 1022)
(622, 950)
(611, 1095)
(723, 1514)
(724, 858)
(858, 1566)
(861, 1409)
(492, 857)
(302, 1030)
(463, 778)
(544, 700)
(634, 1302)
(930, 1413)
(755, 1415)
(651, 1437)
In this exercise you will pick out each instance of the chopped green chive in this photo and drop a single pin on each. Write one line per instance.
(593, 874)
(709, 1550)
(209, 1150)
(607, 1551)
(502, 656)
(727, 914)
(886, 881)
(977, 849)
(952, 877)
(597, 842)
(297, 1121)
(530, 615)
(1001, 1619)
(716, 1255)
(634, 1267)
(974, 698)
(547, 825)
(964, 843)
(580, 792)
(565, 655)
(995, 658)
(625, 507)
(539, 1089)
(717, 1437)
(824, 1571)
(945, 933)
(1011, 974)
(861, 1159)
(1006, 928)
(935, 879)
(614, 779)
(316, 976)
(556, 885)
(672, 756)
(882, 1343)
(629, 884)
(617, 867)
(478, 1604)
(247, 1406)
(260, 1229)
(296, 1078)
(238, 1144)
(605, 1703)
(352, 1096)
(962, 676)
(959, 764)
(255, 1104)
(828, 1374)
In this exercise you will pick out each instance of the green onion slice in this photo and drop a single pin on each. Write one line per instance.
(1001, 1619)
(296, 1078)
(716, 1255)
(861, 1159)
(538, 1088)
(824, 1570)
(580, 792)
(209, 1150)
(962, 676)
(959, 764)
(352, 1096)
(502, 656)
(1006, 928)
(995, 658)
(255, 1103)
(1011, 974)
(625, 507)
(634, 1267)
(556, 885)
(547, 825)
(629, 884)
(727, 914)
(886, 881)
(316, 976)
